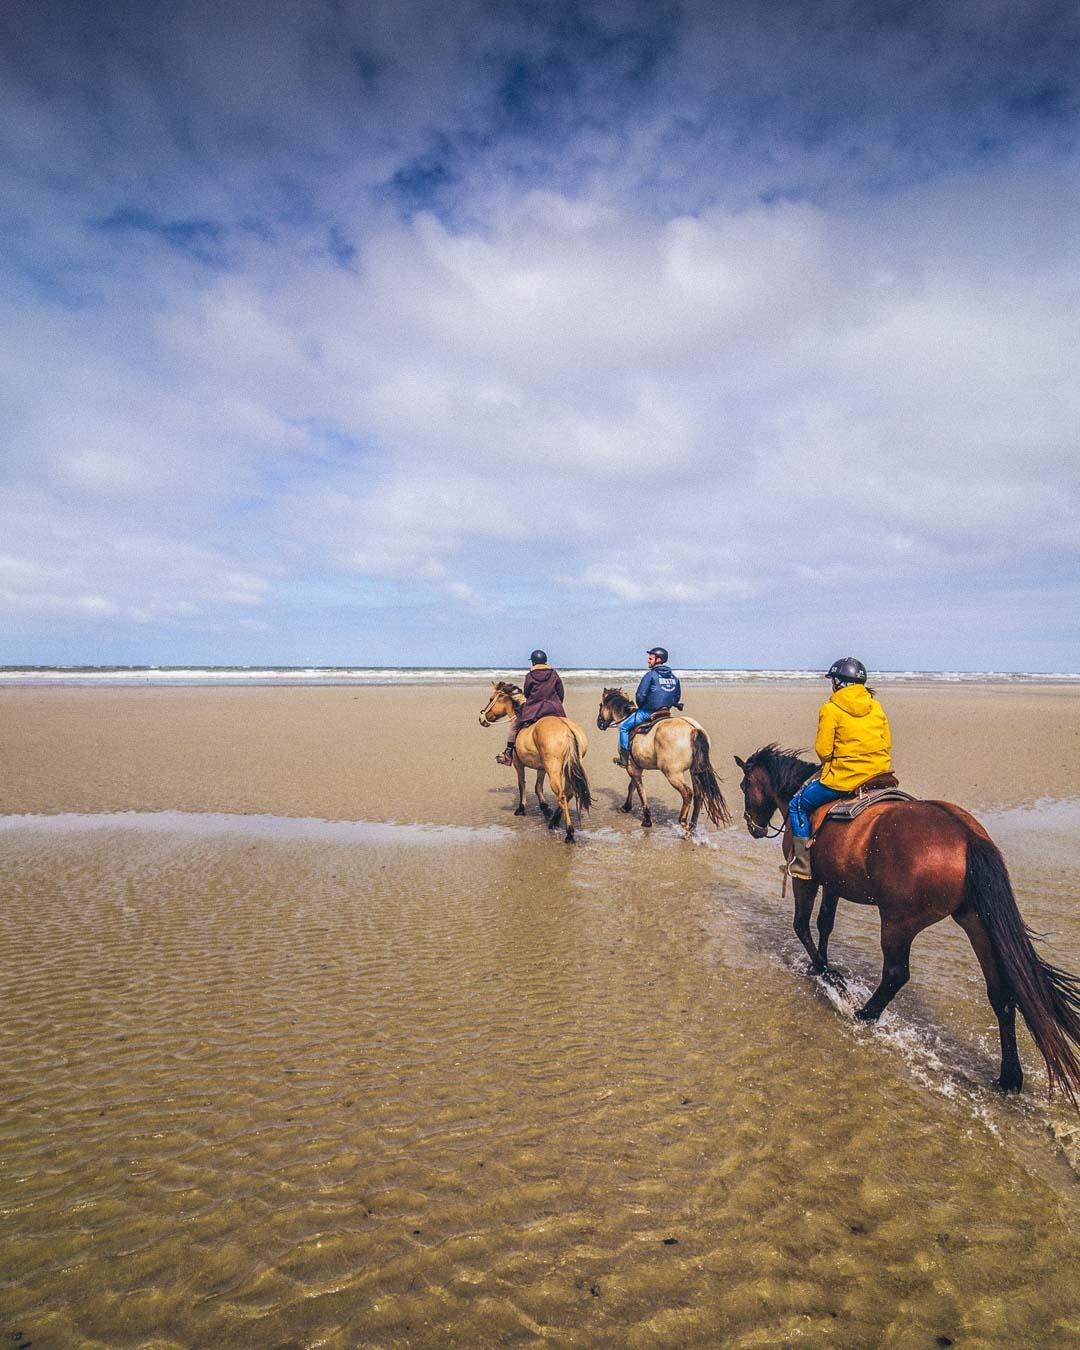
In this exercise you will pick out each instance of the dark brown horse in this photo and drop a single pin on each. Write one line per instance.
(919, 862)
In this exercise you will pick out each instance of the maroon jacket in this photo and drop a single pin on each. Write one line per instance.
(543, 695)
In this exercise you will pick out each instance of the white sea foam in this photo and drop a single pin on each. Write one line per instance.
(182, 676)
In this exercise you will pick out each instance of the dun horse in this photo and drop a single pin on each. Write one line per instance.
(679, 748)
(553, 746)
(920, 862)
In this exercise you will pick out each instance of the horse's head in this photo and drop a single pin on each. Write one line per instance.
(505, 697)
(770, 778)
(614, 706)
(759, 804)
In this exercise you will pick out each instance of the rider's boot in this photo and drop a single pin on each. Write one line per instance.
(622, 758)
(799, 867)
(506, 756)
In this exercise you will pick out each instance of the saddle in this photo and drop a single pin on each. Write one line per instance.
(883, 787)
(657, 716)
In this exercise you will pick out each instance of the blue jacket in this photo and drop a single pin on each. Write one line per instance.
(659, 688)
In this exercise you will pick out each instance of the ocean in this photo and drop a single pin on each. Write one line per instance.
(188, 676)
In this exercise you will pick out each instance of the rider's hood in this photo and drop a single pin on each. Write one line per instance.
(854, 699)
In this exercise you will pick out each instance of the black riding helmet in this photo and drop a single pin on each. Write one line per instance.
(661, 652)
(539, 658)
(848, 670)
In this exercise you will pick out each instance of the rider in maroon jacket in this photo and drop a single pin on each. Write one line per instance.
(543, 698)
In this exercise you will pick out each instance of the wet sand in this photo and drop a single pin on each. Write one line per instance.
(450, 1082)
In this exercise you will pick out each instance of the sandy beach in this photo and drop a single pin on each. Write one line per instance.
(316, 1044)
(417, 754)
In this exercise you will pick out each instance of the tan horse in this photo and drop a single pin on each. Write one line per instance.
(679, 748)
(553, 746)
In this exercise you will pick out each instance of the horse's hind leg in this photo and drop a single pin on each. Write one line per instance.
(545, 810)
(895, 971)
(686, 792)
(561, 810)
(1000, 994)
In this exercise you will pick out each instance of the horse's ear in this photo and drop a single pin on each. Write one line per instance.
(740, 763)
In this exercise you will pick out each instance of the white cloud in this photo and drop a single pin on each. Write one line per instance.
(601, 362)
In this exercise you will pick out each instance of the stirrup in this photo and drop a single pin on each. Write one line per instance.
(504, 757)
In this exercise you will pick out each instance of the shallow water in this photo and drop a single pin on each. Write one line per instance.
(274, 1082)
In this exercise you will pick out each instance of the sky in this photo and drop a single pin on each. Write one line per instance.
(422, 333)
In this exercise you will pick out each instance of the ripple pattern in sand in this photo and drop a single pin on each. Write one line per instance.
(366, 1092)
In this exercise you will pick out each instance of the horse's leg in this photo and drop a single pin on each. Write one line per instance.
(1000, 994)
(805, 893)
(629, 796)
(561, 810)
(520, 811)
(545, 810)
(639, 783)
(686, 792)
(896, 942)
(825, 919)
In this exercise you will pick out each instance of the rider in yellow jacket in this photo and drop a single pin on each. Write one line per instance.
(853, 740)
(853, 743)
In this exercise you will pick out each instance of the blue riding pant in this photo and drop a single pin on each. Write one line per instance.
(810, 796)
(638, 716)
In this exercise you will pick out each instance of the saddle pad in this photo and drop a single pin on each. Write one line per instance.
(850, 807)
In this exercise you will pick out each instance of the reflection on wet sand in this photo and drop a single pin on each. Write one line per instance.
(330, 1083)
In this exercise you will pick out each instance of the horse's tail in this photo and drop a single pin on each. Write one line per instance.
(706, 784)
(573, 772)
(1048, 998)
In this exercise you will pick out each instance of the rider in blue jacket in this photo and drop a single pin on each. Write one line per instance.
(659, 688)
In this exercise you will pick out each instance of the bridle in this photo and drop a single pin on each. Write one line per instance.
(486, 721)
(752, 825)
(612, 718)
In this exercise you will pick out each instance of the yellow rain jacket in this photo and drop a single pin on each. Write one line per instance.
(853, 740)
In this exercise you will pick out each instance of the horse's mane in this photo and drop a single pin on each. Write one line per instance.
(787, 772)
(612, 696)
(515, 692)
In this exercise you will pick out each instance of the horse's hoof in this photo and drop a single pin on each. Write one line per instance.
(626, 809)
(646, 822)
(864, 1016)
(545, 810)
(832, 977)
(1008, 1084)
(520, 811)
(570, 837)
